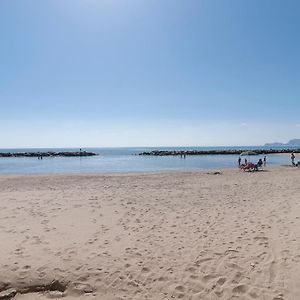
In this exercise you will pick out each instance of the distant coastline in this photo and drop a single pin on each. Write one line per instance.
(293, 142)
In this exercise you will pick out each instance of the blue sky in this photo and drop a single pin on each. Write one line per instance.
(148, 73)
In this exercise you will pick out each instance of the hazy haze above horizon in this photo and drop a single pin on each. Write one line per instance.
(148, 73)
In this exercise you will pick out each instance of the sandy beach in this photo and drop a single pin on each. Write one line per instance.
(196, 235)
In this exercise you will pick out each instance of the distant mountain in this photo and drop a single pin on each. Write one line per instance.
(294, 142)
(274, 144)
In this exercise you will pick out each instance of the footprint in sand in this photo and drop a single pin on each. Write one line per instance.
(221, 281)
(26, 267)
(240, 289)
(209, 277)
(145, 270)
(180, 288)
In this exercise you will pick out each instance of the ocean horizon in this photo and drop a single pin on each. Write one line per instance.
(127, 160)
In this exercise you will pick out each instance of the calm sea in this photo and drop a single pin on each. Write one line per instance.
(126, 160)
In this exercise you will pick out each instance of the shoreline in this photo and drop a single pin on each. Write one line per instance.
(137, 173)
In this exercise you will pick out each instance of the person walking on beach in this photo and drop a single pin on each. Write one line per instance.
(293, 158)
(239, 161)
(265, 161)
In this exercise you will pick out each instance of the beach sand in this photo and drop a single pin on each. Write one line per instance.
(200, 235)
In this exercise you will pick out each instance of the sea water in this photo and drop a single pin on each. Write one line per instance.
(127, 160)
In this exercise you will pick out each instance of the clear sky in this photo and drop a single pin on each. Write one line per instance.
(149, 72)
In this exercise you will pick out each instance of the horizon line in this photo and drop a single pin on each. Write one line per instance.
(105, 147)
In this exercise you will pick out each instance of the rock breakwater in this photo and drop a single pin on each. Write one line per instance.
(217, 152)
(46, 154)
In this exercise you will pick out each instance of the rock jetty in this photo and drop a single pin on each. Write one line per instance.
(217, 152)
(46, 154)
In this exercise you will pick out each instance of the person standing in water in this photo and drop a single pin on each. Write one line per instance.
(265, 161)
(239, 161)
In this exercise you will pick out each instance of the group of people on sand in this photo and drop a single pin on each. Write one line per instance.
(263, 162)
(259, 164)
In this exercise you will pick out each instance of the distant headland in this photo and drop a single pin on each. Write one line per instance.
(293, 142)
(47, 154)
